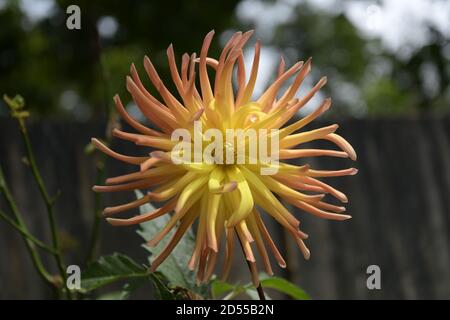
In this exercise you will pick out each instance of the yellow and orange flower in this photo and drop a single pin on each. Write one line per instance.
(225, 199)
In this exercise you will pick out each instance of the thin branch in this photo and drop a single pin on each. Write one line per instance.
(47, 199)
(26, 234)
(28, 243)
(95, 231)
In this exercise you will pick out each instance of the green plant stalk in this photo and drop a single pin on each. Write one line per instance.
(48, 201)
(46, 277)
(95, 232)
(25, 233)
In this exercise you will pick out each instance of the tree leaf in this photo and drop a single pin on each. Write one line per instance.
(285, 287)
(174, 268)
(109, 269)
(125, 292)
(115, 295)
(219, 288)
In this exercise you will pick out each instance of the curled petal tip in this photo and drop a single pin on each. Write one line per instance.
(306, 167)
(112, 221)
(326, 105)
(147, 62)
(231, 224)
(303, 235)
(213, 247)
(161, 155)
(230, 186)
(341, 196)
(209, 35)
(129, 82)
(197, 115)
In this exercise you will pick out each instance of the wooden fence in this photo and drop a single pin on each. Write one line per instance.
(400, 202)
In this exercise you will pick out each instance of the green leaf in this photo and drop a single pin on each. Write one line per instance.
(125, 293)
(286, 287)
(174, 268)
(109, 269)
(116, 295)
(162, 291)
(112, 268)
(219, 287)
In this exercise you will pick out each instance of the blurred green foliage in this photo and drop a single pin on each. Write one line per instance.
(381, 82)
(43, 60)
(74, 73)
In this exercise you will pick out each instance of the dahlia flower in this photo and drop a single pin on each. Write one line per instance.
(227, 200)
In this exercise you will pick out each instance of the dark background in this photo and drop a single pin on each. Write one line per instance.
(388, 74)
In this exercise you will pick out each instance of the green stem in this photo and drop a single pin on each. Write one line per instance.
(46, 277)
(48, 201)
(26, 234)
(95, 232)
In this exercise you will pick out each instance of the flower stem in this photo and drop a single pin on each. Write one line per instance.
(46, 277)
(260, 291)
(259, 288)
(49, 202)
(95, 232)
(25, 233)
